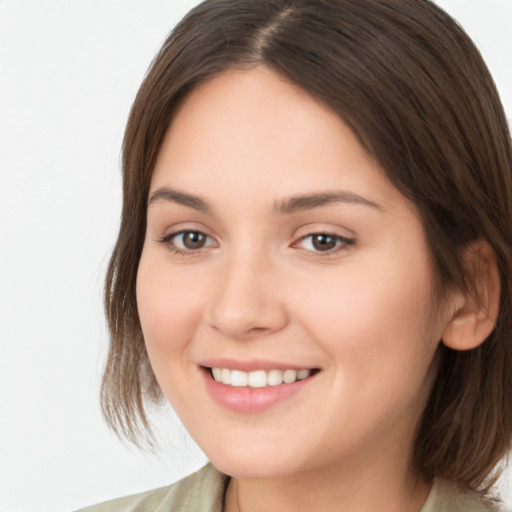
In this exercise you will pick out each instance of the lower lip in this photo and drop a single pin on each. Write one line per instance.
(252, 400)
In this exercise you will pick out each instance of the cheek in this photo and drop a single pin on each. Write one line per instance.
(374, 320)
(169, 307)
(380, 348)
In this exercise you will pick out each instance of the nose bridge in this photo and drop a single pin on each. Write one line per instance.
(246, 301)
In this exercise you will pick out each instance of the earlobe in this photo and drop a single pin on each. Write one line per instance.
(475, 311)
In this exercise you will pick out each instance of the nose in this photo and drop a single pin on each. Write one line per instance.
(247, 301)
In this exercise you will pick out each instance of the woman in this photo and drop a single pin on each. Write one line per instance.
(314, 259)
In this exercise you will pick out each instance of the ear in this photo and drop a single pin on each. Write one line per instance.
(475, 312)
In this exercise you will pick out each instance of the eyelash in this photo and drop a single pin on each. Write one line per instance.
(168, 241)
(342, 243)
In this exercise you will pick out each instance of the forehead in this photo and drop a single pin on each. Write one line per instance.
(256, 135)
(255, 119)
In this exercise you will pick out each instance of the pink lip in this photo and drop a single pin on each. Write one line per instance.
(251, 400)
(250, 366)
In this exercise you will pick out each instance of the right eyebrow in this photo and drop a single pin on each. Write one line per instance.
(176, 196)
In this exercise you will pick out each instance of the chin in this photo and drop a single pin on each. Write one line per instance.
(252, 469)
(256, 462)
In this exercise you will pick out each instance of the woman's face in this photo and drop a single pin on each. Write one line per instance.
(277, 249)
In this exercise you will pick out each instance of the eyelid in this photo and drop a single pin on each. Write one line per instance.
(342, 243)
(170, 230)
(168, 238)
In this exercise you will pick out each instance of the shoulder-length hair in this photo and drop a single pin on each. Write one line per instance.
(415, 91)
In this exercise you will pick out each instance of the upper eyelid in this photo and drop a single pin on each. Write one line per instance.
(184, 227)
(173, 234)
(345, 239)
(327, 233)
(178, 249)
(326, 228)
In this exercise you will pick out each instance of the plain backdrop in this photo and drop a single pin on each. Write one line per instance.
(69, 70)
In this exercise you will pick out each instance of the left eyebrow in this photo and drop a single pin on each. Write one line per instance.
(309, 201)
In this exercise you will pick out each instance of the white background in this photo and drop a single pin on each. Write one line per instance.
(69, 70)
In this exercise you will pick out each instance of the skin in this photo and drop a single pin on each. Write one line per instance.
(362, 313)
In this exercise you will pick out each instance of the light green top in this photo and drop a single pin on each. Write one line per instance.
(204, 492)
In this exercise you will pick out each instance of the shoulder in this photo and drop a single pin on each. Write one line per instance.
(446, 497)
(206, 488)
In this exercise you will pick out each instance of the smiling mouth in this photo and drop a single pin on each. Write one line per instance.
(259, 378)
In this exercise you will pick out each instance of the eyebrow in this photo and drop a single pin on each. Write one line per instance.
(175, 196)
(284, 207)
(309, 201)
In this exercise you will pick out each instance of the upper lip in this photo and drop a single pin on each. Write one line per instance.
(252, 365)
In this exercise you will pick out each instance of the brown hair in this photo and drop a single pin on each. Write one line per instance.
(414, 89)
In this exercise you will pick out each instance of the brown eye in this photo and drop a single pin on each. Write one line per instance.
(187, 241)
(323, 242)
(193, 239)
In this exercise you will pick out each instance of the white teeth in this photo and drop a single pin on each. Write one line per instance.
(217, 374)
(274, 377)
(225, 376)
(238, 378)
(258, 378)
(289, 376)
(303, 374)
